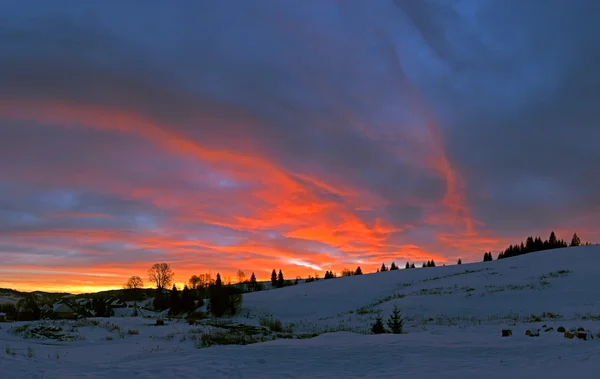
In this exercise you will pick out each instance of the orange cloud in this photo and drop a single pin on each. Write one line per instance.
(314, 231)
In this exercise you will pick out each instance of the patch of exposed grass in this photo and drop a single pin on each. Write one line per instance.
(226, 338)
(133, 332)
(587, 316)
(274, 325)
(10, 351)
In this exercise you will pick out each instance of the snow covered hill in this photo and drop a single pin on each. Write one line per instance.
(562, 281)
(454, 317)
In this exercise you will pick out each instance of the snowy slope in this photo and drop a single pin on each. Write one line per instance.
(563, 281)
(454, 316)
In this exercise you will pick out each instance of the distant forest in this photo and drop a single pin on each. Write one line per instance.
(533, 244)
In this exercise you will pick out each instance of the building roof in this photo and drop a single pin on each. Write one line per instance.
(62, 308)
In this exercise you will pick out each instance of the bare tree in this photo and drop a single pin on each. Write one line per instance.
(241, 276)
(134, 282)
(161, 274)
(195, 282)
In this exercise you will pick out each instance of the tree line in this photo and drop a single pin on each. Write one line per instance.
(533, 244)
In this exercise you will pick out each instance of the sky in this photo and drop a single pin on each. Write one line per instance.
(313, 135)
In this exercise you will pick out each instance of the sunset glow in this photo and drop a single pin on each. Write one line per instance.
(218, 154)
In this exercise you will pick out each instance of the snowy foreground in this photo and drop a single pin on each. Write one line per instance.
(454, 318)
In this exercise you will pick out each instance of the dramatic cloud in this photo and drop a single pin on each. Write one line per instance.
(303, 135)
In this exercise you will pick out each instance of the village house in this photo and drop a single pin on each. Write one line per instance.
(63, 311)
(2, 317)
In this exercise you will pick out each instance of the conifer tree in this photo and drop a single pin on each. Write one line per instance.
(552, 242)
(393, 266)
(432, 263)
(377, 327)
(253, 283)
(575, 241)
(407, 265)
(358, 271)
(174, 302)
(459, 262)
(187, 301)
(218, 281)
(395, 322)
(280, 280)
(383, 268)
(424, 264)
(412, 265)
(274, 278)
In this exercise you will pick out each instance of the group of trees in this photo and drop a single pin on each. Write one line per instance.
(345, 272)
(430, 263)
(533, 244)
(395, 323)
(277, 280)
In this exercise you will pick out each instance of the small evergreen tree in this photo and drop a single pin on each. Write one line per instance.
(274, 278)
(218, 281)
(412, 265)
(280, 279)
(358, 271)
(395, 322)
(424, 264)
(393, 266)
(575, 241)
(377, 327)
(253, 283)
(407, 265)
(431, 263)
(459, 262)
(383, 268)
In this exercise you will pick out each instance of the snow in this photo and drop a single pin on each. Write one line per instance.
(454, 316)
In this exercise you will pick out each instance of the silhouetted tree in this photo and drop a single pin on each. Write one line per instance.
(218, 281)
(412, 265)
(187, 300)
(407, 265)
(346, 272)
(274, 278)
(552, 242)
(280, 279)
(383, 268)
(160, 302)
(234, 299)
(99, 306)
(459, 262)
(358, 271)
(393, 266)
(424, 264)
(487, 257)
(134, 282)
(174, 302)
(395, 322)
(377, 327)
(195, 282)
(161, 274)
(253, 282)
(575, 241)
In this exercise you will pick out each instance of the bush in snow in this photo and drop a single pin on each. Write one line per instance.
(561, 329)
(506, 332)
(395, 322)
(377, 327)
